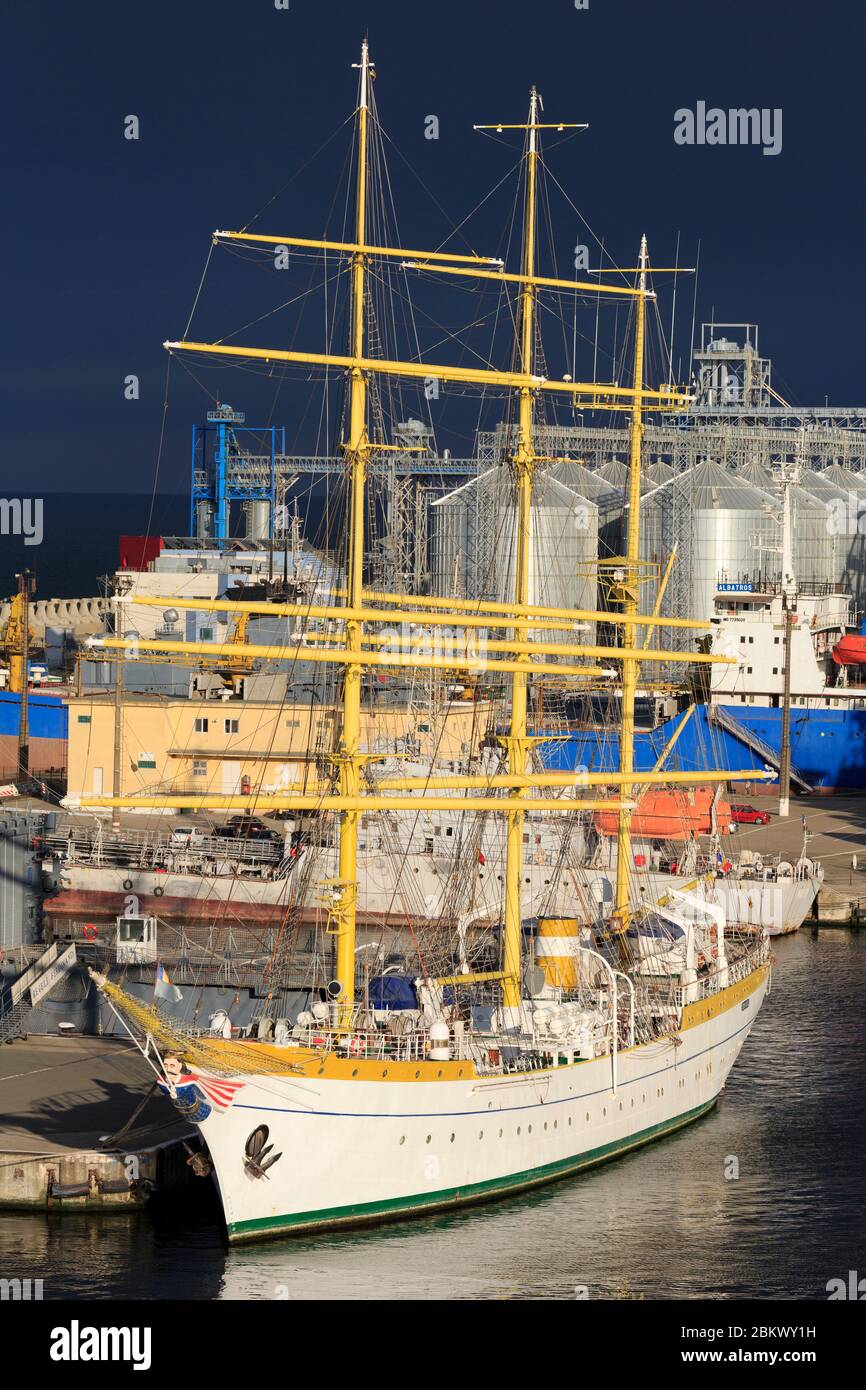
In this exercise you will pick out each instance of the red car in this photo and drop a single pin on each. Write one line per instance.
(748, 815)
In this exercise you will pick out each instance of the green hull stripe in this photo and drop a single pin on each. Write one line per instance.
(299, 1222)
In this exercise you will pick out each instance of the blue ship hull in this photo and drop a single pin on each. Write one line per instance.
(828, 747)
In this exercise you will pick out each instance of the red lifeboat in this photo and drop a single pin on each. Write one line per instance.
(851, 651)
(670, 815)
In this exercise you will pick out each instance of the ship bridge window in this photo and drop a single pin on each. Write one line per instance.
(231, 726)
(201, 726)
(199, 767)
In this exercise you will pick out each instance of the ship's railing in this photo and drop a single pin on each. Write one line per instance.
(379, 1045)
(740, 968)
(144, 850)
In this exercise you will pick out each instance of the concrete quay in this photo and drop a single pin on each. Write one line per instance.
(82, 1128)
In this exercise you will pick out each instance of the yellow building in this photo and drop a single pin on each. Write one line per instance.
(234, 746)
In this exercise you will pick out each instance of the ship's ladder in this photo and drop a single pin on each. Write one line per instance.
(723, 720)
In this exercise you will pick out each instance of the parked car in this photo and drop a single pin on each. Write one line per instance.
(247, 828)
(749, 815)
(186, 835)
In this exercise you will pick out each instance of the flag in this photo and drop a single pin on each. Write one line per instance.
(163, 987)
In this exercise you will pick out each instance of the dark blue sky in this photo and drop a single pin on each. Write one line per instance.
(106, 238)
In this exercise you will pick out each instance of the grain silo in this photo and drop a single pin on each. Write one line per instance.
(726, 531)
(474, 542)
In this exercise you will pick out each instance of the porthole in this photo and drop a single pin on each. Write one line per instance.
(385, 1072)
(500, 1134)
(429, 1137)
(518, 1129)
(402, 1139)
(481, 1134)
(355, 1071)
(587, 1117)
(452, 1138)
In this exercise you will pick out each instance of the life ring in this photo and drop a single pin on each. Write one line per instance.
(355, 1047)
(90, 932)
(158, 891)
(127, 883)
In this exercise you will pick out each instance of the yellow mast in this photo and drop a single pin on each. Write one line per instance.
(349, 758)
(630, 595)
(523, 467)
(523, 462)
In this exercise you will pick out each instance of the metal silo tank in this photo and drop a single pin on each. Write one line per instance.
(844, 493)
(726, 532)
(474, 539)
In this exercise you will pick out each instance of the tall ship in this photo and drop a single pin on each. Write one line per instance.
(534, 1022)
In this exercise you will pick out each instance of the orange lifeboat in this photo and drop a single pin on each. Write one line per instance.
(670, 815)
(851, 651)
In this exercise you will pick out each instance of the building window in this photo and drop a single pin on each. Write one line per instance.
(201, 726)
(199, 767)
(231, 726)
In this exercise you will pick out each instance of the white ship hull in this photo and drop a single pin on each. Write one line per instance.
(362, 1140)
(413, 887)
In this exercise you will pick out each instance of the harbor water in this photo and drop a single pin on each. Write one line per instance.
(762, 1199)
